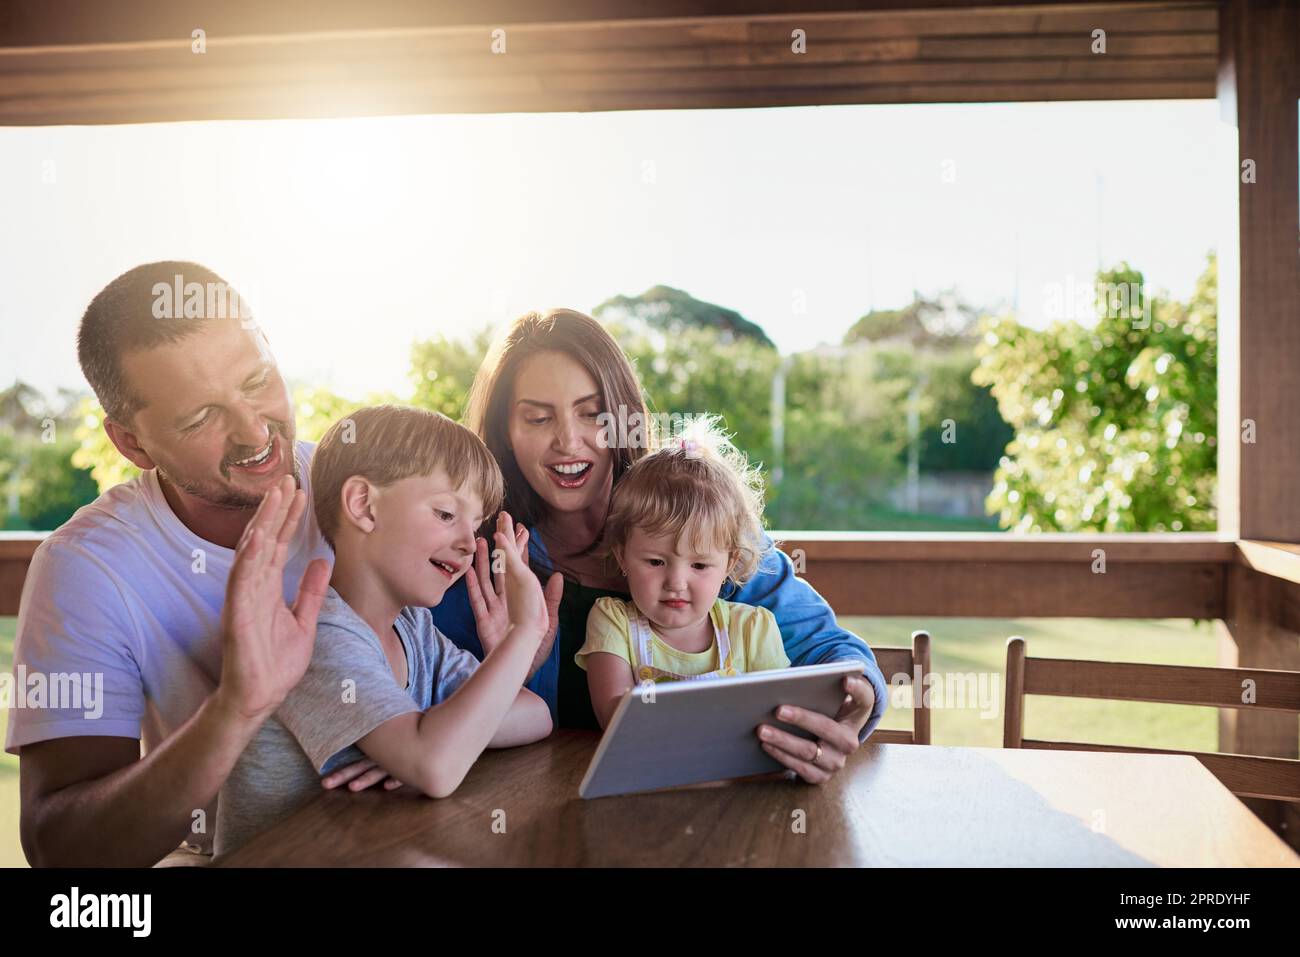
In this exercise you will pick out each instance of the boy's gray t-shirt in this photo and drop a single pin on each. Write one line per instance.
(348, 691)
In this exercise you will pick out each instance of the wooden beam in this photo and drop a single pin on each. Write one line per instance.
(995, 54)
(1014, 576)
(989, 576)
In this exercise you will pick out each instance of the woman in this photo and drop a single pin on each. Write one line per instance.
(539, 402)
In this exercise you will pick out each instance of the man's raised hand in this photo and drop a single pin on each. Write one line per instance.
(266, 645)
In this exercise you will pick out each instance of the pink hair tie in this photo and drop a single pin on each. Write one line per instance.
(689, 446)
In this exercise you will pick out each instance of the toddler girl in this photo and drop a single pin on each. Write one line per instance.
(683, 520)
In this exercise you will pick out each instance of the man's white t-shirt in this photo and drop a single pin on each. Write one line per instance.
(125, 594)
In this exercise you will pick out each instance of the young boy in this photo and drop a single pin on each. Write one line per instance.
(398, 495)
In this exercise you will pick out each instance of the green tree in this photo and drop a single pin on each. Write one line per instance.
(702, 370)
(1114, 424)
(941, 322)
(669, 310)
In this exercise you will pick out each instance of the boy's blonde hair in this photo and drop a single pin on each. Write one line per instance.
(387, 443)
(698, 483)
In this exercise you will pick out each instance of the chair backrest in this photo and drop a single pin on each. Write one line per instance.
(913, 662)
(1277, 779)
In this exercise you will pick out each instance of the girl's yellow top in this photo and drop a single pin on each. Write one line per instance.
(746, 639)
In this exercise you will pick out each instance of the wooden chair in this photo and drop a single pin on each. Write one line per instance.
(1276, 779)
(900, 660)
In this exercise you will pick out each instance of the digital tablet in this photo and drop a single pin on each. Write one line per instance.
(687, 732)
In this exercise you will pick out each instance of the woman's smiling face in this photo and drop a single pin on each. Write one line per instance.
(556, 433)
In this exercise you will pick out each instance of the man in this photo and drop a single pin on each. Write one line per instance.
(130, 590)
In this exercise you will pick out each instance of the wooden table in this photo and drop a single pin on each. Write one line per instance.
(894, 804)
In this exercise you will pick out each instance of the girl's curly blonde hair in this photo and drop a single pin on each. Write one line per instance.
(697, 483)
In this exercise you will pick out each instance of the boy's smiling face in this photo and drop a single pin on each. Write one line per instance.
(423, 536)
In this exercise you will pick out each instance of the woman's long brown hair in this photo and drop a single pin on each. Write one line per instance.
(582, 339)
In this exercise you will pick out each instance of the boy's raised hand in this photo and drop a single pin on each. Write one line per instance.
(487, 596)
(525, 601)
(485, 580)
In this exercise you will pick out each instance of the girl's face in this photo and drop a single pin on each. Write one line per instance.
(555, 433)
(672, 583)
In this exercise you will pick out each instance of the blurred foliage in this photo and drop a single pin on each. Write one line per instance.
(844, 430)
(950, 395)
(1115, 425)
(443, 368)
(1109, 427)
(40, 486)
(51, 487)
(932, 341)
(96, 451)
(316, 409)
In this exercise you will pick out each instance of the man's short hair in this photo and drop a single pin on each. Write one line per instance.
(387, 443)
(123, 318)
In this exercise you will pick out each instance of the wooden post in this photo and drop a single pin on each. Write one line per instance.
(1259, 338)
(1013, 728)
(920, 713)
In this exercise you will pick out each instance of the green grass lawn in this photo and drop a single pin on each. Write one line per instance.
(959, 645)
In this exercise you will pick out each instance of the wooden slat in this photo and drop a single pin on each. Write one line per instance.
(979, 547)
(80, 22)
(717, 66)
(1171, 684)
(890, 736)
(865, 76)
(893, 661)
(1276, 559)
(308, 103)
(1053, 47)
(419, 79)
(1276, 779)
